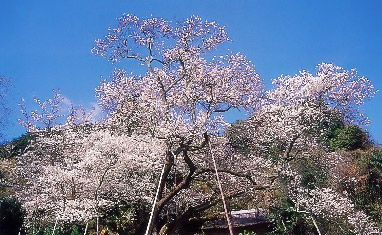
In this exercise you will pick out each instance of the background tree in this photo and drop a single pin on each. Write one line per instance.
(289, 126)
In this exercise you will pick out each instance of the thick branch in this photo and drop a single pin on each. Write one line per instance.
(135, 57)
(204, 143)
(183, 184)
(223, 110)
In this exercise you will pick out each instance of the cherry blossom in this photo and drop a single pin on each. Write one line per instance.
(170, 119)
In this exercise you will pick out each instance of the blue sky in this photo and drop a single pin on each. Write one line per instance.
(45, 45)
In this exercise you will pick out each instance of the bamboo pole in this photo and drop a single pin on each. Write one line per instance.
(86, 228)
(226, 212)
(315, 225)
(150, 224)
(97, 224)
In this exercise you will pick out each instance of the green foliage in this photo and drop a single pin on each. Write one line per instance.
(75, 230)
(62, 230)
(49, 230)
(375, 176)
(349, 138)
(15, 147)
(287, 220)
(370, 197)
(313, 174)
(339, 136)
(123, 219)
(11, 215)
(126, 218)
(328, 129)
(367, 194)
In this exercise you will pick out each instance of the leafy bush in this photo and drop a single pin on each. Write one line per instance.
(350, 137)
(344, 137)
(47, 229)
(125, 218)
(367, 196)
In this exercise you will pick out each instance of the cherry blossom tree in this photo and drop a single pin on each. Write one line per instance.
(292, 118)
(73, 174)
(181, 97)
(174, 111)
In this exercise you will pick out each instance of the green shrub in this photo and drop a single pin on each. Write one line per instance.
(349, 138)
(15, 147)
(75, 231)
(288, 221)
(368, 196)
(344, 137)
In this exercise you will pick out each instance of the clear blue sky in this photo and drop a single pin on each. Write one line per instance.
(46, 45)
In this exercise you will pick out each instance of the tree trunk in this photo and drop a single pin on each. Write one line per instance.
(151, 227)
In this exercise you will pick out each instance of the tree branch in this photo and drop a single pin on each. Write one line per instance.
(183, 184)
